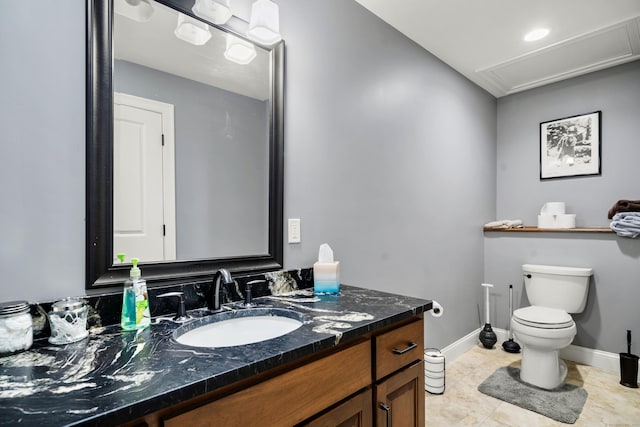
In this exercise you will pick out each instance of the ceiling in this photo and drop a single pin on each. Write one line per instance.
(483, 39)
(154, 45)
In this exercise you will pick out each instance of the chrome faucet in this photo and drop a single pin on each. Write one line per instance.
(222, 275)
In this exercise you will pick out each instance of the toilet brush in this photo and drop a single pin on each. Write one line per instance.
(510, 346)
(487, 337)
(629, 366)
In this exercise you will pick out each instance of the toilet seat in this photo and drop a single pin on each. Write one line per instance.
(543, 317)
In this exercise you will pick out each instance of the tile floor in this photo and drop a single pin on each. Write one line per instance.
(609, 403)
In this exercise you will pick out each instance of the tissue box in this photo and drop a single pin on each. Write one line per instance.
(326, 277)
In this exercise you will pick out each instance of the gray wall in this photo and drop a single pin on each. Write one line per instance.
(615, 287)
(390, 157)
(42, 116)
(221, 157)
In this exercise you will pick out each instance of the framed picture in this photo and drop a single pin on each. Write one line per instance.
(570, 146)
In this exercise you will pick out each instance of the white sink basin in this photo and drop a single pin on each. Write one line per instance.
(240, 327)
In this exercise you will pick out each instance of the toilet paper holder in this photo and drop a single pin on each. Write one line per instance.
(436, 309)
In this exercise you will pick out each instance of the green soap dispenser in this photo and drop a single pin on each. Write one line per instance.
(135, 301)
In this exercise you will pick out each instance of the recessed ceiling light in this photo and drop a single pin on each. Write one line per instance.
(537, 34)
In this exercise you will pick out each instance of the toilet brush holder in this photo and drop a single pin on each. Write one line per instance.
(629, 366)
(629, 370)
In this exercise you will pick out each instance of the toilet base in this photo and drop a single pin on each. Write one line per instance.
(542, 369)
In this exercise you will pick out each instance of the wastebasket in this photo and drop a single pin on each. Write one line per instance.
(434, 371)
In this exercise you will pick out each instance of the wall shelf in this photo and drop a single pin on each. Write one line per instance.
(532, 229)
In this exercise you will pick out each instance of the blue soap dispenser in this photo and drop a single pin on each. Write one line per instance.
(135, 301)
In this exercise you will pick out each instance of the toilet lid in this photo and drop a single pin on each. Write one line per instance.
(543, 317)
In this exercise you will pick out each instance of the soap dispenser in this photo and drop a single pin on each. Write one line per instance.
(135, 301)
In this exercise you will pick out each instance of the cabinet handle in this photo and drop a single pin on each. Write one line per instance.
(410, 347)
(387, 409)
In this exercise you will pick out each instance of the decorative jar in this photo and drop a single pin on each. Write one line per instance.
(16, 327)
(68, 321)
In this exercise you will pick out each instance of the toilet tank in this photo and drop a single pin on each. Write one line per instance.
(565, 288)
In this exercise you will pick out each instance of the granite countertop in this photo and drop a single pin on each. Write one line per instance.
(113, 376)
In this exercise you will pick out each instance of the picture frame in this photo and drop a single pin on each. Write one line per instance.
(571, 146)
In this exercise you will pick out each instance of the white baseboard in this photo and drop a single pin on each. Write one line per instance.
(586, 356)
(458, 348)
(466, 343)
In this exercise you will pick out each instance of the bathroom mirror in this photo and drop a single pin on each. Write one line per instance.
(220, 189)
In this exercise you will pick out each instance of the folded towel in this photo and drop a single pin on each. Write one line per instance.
(505, 223)
(624, 206)
(626, 224)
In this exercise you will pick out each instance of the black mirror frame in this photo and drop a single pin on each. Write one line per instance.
(100, 271)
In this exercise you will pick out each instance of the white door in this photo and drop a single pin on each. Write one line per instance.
(144, 207)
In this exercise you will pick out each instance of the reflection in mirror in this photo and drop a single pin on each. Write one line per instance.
(184, 145)
(191, 139)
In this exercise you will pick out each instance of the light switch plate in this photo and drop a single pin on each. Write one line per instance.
(294, 230)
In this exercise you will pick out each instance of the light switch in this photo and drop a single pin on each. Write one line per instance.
(294, 230)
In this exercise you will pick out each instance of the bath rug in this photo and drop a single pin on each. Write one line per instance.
(562, 404)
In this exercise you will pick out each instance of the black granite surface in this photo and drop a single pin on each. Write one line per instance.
(113, 376)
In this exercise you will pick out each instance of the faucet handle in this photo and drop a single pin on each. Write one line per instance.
(247, 297)
(181, 313)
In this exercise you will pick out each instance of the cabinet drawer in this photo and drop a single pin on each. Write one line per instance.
(398, 348)
(289, 398)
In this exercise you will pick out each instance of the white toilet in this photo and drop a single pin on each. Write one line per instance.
(546, 327)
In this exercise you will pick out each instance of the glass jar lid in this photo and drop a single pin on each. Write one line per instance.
(67, 304)
(13, 307)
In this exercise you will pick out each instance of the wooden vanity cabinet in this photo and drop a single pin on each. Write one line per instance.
(376, 379)
(289, 398)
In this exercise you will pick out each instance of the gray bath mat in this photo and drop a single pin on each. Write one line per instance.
(562, 404)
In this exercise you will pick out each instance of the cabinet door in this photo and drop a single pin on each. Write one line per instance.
(400, 398)
(355, 412)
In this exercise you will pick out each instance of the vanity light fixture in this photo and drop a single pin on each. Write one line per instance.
(137, 10)
(264, 24)
(239, 51)
(537, 34)
(215, 11)
(191, 30)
